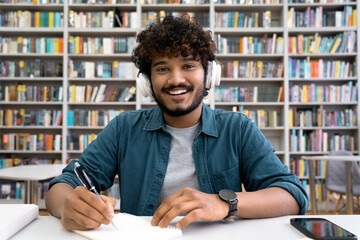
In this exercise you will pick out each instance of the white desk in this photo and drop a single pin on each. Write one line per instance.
(31, 175)
(46, 227)
(349, 194)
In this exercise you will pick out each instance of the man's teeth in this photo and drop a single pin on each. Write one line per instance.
(177, 92)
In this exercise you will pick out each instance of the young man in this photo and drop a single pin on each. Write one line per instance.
(181, 158)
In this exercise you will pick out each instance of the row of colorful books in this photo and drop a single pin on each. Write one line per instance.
(263, 118)
(102, 1)
(314, 117)
(246, 1)
(320, 68)
(149, 17)
(30, 142)
(111, 69)
(91, 118)
(79, 141)
(319, 93)
(317, 44)
(30, 93)
(251, 69)
(174, 1)
(300, 167)
(16, 190)
(320, 1)
(101, 93)
(30, 117)
(33, 1)
(77, 44)
(340, 43)
(102, 19)
(11, 190)
(89, 45)
(267, 44)
(236, 19)
(34, 19)
(318, 17)
(31, 68)
(319, 141)
(14, 45)
(18, 161)
(265, 93)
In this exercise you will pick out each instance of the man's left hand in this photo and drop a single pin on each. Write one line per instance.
(197, 205)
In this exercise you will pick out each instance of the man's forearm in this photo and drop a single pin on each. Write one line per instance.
(271, 202)
(56, 197)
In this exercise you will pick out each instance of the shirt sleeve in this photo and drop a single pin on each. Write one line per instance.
(99, 160)
(262, 169)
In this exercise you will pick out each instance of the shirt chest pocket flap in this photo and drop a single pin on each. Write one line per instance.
(228, 179)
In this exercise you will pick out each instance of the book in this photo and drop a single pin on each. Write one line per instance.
(131, 227)
(336, 44)
(14, 217)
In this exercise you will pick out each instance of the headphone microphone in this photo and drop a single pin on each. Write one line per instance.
(212, 79)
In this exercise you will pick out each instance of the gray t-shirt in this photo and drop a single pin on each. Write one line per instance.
(181, 167)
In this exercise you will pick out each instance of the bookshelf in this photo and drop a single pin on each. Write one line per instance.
(329, 104)
(262, 76)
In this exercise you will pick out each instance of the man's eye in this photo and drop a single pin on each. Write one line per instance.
(188, 66)
(162, 69)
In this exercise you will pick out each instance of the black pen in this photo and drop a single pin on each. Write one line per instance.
(85, 180)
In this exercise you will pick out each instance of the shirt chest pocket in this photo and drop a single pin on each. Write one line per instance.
(228, 179)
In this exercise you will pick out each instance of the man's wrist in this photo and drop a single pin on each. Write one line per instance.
(230, 197)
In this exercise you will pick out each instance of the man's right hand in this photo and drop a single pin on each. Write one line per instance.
(79, 209)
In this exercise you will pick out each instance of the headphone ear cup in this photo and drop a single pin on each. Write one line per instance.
(144, 85)
(213, 76)
(217, 74)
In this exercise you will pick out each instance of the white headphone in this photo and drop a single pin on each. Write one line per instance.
(212, 79)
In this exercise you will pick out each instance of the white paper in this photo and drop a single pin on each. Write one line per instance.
(13, 217)
(131, 227)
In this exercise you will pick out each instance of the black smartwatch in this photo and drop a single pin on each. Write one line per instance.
(231, 198)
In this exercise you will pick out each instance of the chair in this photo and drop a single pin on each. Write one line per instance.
(335, 181)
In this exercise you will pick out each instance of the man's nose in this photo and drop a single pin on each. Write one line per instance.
(176, 77)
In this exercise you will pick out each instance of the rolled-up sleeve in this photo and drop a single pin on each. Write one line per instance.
(263, 169)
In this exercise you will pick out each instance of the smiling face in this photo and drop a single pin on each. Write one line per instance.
(177, 84)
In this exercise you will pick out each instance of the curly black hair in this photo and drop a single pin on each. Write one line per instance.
(171, 37)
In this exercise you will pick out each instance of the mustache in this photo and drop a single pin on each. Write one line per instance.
(169, 88)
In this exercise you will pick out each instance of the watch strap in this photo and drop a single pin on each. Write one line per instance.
(233, 208)
(231, 198)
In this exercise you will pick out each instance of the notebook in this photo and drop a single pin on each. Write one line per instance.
(14, 217)
(131, 227)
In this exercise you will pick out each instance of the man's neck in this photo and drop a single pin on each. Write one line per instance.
(184, 121)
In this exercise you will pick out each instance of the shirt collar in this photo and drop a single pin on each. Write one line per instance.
(208, 123)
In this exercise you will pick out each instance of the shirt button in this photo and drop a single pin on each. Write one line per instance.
(150, 206)
(160, 175)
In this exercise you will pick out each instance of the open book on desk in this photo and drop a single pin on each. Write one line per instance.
(131, 227)
(14, 217)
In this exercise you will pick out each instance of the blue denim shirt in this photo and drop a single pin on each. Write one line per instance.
(229, 150)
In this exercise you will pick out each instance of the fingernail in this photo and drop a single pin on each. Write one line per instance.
(162, 224)
(110, 214)
(178, 225)
(153, 221)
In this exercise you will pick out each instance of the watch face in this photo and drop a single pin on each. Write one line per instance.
(227, 194)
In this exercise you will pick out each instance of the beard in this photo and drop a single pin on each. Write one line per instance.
(179, 111)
